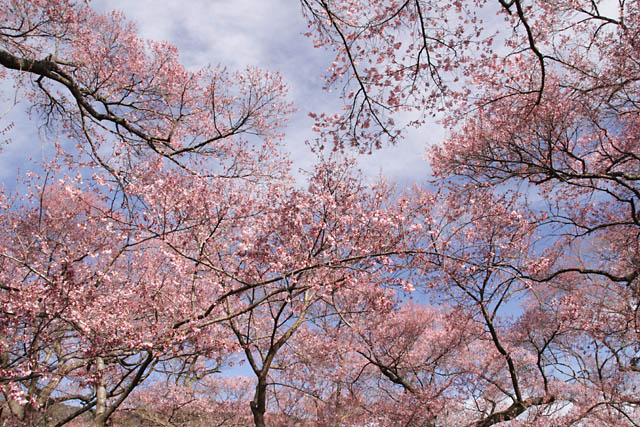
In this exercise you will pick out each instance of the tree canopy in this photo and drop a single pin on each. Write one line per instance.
(167, 242)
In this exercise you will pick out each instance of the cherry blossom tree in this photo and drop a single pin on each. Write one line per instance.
(164, 237)
(159, 232)
(124, 98)
(538, 179)
(396, 372)
(334, 236)
(213, 401)
(118, 257)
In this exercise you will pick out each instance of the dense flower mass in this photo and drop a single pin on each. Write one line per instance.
(166, 242)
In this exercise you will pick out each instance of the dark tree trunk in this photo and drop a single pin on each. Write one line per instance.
(259, 403)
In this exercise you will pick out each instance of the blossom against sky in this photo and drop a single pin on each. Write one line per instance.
(267, 34)
(236, 34)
